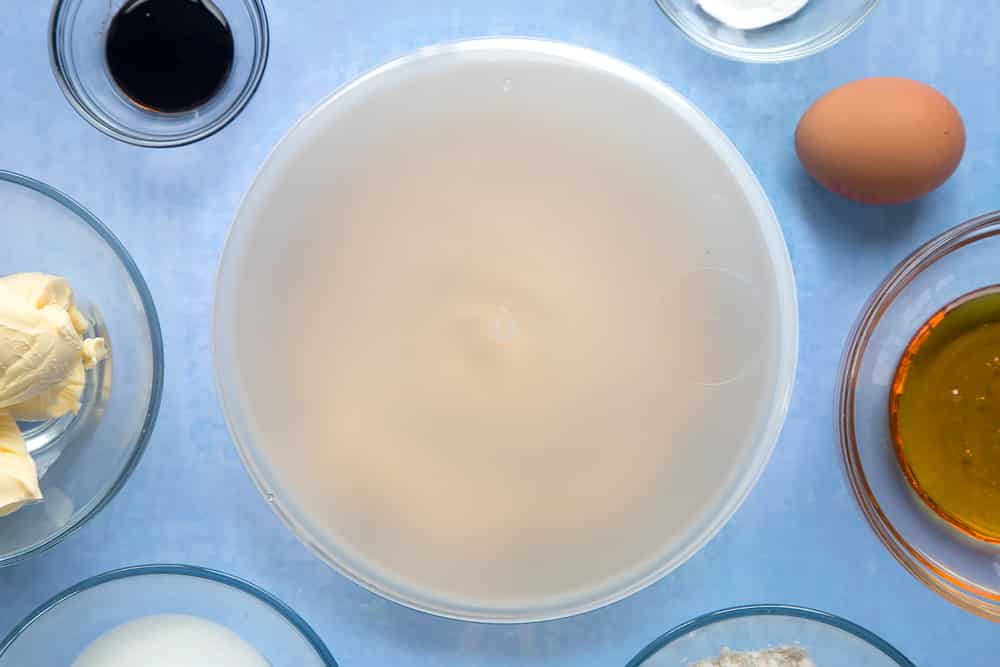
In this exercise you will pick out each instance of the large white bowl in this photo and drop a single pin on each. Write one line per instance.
(668, 168)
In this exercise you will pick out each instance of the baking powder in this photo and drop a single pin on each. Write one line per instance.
(751, 14)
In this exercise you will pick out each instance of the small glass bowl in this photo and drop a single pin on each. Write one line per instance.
(830, 640)
(76, 43)
(58, 631)
(817, 27)
(960, 261)
(83, 460)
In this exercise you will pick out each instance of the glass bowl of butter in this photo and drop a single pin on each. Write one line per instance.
(767, 31)
(81, 367)
(769, 635)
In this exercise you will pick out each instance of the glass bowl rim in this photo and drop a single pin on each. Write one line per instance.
(788, 320)
(789, 611)
(152, 323)
(121, 132)
(193, 571)
(817, 44)
(964, 594)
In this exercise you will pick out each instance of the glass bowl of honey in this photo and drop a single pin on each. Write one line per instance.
(918, 413)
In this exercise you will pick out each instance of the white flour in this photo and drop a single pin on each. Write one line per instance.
(779, 657)
(751, 14)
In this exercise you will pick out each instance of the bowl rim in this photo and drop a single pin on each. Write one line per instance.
(156, 389)
(953, 588)
(821, 42)
(258, 16)
(193, 571)
(788, 323)
(790, 611)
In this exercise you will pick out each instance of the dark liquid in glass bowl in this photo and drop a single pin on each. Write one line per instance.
(169, 55)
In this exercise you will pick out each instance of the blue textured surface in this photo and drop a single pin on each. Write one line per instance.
(799, 539)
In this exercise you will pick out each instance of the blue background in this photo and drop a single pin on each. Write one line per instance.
(798, 539)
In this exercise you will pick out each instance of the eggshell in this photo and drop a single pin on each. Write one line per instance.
(884, 140)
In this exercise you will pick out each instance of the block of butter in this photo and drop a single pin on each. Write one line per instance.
(43, 362)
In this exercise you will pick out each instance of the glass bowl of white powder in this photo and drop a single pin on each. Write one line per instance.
(767, 31)
(769, 636)
(164, 615)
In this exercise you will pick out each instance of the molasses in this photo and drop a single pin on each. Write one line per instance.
(169, 55)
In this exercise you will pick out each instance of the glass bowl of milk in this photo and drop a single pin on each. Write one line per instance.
(164, 616)
(505, 330)
(768, 31)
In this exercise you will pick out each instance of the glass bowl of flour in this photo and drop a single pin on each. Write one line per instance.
(162, 616)
(769, 636)
(768, 31)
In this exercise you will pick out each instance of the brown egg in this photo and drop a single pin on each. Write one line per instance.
(881, 141)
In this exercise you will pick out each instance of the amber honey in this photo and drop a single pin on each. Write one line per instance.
(945, 413)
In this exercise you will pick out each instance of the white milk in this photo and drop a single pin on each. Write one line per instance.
(494, 339)
(170, 640)
(490, 384)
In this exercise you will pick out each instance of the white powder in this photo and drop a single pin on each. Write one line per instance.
(751, 14)
(169, 640)
(789, 656)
